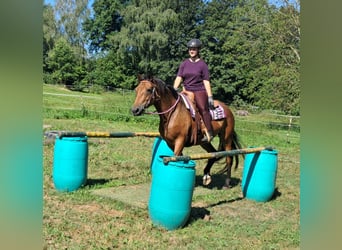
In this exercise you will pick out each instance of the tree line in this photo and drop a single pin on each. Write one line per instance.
(250, 46)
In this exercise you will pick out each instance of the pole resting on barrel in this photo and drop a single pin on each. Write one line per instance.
(186, 158)
(61, 134)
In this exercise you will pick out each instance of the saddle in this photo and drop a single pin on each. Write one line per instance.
(200, 129)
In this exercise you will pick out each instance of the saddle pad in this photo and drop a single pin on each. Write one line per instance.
(188, 105)
(216, 114)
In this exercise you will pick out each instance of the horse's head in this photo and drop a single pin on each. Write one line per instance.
(145, 96)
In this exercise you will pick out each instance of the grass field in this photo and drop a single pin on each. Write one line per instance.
(83, 220)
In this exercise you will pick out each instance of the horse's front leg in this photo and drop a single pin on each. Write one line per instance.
(206, 172)
(178, 148)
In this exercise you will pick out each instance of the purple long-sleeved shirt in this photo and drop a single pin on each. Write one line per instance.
(193, 74)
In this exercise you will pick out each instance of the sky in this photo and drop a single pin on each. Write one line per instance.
(52, 2)
(275, 2)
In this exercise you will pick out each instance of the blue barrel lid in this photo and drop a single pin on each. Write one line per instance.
(180, 164)
(266, 151)
(273, 152)
(65, 138)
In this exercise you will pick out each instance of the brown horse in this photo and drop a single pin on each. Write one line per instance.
(177, 125)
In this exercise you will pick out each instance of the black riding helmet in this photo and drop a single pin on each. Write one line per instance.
(194, 43)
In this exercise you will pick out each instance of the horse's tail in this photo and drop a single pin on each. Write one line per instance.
(236, 144)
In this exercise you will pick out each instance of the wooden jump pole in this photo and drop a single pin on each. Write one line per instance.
(105, 134)
(186, 158)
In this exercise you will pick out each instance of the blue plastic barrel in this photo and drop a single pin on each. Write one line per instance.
(259, 175)
(70, 163)
(160, 148)
(171, 193)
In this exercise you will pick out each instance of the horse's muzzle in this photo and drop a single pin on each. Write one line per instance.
(136, 111)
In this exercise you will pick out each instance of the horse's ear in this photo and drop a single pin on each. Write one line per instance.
(146, 76)
(140, 77)
(149, 76)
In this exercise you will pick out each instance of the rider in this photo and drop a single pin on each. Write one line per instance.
(194, 74)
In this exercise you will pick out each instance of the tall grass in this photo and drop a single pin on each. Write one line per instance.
(82, 220)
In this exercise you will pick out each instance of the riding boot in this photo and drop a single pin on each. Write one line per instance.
(207, 135)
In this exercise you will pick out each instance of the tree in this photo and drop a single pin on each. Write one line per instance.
(186, 27)
(251, 47)
(70, 15)
(253, 53)
(106, 20)
(153, 36)
(64, 20)
(280, 89)
(143, 37)
(62, 63)
(223, 47)
(50, 32)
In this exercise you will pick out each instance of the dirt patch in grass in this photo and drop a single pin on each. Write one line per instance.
(96, 208)
(138, 195)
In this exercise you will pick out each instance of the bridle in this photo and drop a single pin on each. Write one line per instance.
(163, 112)
(152, 96)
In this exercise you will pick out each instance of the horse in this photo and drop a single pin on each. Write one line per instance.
(176, 124)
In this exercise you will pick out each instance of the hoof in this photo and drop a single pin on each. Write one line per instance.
(206, 179)
(227, 184)
(207, 217)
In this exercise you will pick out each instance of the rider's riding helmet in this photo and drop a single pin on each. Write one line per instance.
(194, 43)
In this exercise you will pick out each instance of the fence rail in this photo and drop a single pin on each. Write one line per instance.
(97, 107)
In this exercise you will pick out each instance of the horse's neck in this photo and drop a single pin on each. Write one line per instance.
(165, 103)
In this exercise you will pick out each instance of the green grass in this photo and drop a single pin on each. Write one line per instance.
(81, 220)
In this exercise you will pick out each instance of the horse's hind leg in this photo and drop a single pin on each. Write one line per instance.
(229, 161)
(228, 168)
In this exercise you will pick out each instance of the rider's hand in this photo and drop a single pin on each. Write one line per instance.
(211, 103)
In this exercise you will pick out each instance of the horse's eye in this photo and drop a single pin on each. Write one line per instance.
(150, 90)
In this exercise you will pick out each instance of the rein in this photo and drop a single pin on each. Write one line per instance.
(166, 111)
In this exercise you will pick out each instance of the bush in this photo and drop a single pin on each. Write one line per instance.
(96, 89)
(48, 79)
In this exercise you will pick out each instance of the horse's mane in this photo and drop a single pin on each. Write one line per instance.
(162, 86)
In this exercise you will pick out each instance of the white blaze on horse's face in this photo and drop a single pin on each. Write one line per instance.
(143, 99)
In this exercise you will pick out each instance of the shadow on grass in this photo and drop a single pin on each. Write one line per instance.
(225, 201)
(217, 181)
(275, 194)
(202, 213)
(198, 213)
(96, 182)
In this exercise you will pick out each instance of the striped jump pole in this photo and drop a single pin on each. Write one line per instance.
(100, 134)
(218, 154)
